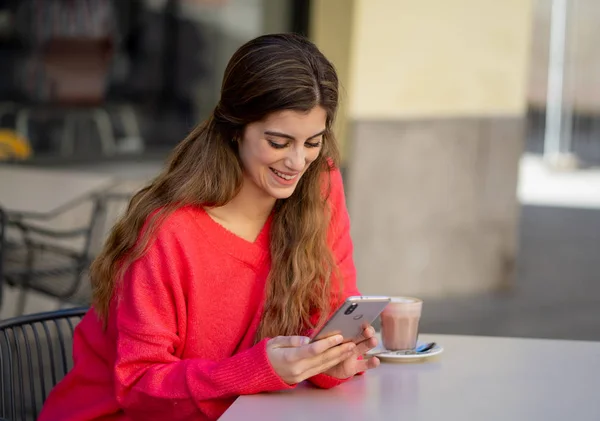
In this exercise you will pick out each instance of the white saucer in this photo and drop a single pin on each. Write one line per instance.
(402, 356)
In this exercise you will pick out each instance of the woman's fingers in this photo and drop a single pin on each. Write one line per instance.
(366, 340)
(366, 345)
(367, 364)
(368, 333)
(295, 360)
(329, 359)
(318, 347)
(288, 341)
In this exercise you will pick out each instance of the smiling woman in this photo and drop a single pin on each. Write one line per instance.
(211, 283)
(277, 151)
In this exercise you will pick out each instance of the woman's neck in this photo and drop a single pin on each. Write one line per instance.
(251, 203)
(246, 213)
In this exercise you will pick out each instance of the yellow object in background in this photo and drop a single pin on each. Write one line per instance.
(13, 146)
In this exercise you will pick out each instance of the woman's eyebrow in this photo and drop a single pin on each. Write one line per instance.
(287, 136)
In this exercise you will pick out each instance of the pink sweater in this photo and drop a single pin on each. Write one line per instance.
(179, 346)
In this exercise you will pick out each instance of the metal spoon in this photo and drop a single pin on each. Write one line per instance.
(425, 347)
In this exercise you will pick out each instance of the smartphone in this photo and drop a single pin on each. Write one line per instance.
(351, 318)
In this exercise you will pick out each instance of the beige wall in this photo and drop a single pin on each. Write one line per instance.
(331, 30)
(439, 57)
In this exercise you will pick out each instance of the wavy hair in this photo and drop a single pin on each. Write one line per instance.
(268, 74)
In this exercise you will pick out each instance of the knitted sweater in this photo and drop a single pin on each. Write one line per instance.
(180, 343)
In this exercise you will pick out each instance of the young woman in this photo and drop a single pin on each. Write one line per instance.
(210, 285)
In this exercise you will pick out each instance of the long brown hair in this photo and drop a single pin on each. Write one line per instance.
(269, 73)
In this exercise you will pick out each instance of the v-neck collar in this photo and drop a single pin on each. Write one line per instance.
(252, 252)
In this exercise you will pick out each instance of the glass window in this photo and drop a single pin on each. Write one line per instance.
(102, 79)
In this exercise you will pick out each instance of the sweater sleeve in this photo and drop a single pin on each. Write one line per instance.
(151, 381)
(342, 247)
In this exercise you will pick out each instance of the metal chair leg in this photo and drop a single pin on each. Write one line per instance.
(22, 123)
(130, 121)
(67, 146)
(105, 130)
(21, 301)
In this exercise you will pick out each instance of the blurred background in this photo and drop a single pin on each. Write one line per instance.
(470, 132)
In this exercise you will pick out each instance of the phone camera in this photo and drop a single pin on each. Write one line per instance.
(351, 309)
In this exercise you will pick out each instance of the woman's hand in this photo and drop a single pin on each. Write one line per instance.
(295, 360)
(353, 365)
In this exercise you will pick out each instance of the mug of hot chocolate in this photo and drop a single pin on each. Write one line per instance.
(400, 323)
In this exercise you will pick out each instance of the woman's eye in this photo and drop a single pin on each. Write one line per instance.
(276, 145)
(313, 144)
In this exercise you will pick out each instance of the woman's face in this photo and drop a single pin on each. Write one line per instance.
(276, 151)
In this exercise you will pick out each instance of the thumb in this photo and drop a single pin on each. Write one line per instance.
(289, 341)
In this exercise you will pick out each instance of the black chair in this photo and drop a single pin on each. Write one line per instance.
(41, 264)
(38, 261)
(35, 354)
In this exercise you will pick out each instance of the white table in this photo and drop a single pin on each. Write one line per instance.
(42, 193)
(476, 378)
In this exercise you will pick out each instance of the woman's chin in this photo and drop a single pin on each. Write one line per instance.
(281, 193)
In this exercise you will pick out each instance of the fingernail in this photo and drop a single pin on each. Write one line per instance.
(305, 341)
(339, 339)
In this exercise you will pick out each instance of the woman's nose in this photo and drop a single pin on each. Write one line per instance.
(296, 159)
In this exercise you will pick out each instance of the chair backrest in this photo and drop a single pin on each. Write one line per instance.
(35, 354)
